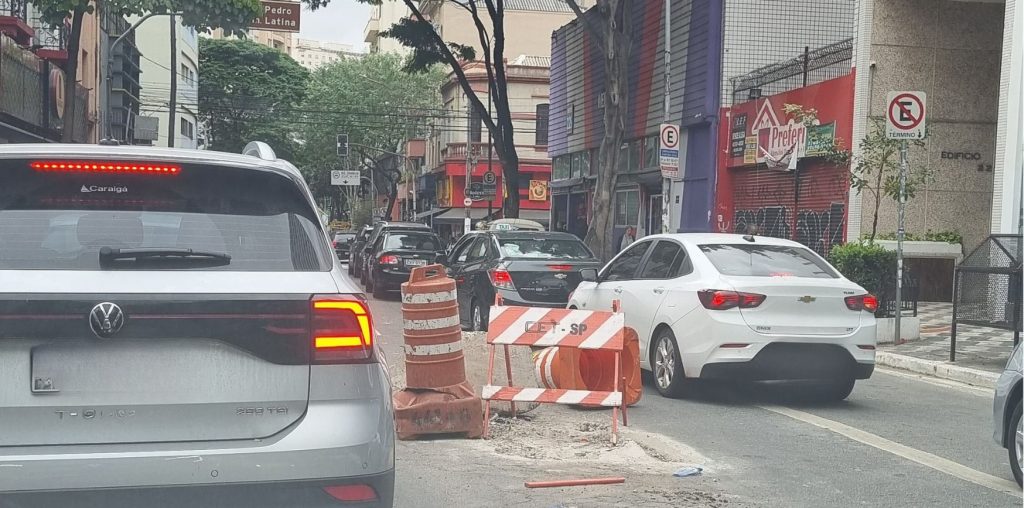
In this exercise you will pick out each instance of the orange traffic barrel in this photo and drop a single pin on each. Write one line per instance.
(590, 369)
(432, 332)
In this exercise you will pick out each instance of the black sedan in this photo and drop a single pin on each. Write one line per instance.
(536, 269)
(356, 250)
(342, 242)
(393, 256)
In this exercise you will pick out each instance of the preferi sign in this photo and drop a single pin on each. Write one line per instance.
(278, 16)
(669, 153)
(344, 177)
(905, 115)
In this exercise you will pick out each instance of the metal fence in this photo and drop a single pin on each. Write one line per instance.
(813, 66)
(14, 8)
(30, 87)
(987, 288)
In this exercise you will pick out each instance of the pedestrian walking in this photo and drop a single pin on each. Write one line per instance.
(627, 238)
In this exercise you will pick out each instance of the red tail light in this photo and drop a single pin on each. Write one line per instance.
(717, 299)
(352, 493)
(560, 268)
(106, 167)
(862, 303)
(501, 279)
(341, 330)
(389, 259)
(334, 244)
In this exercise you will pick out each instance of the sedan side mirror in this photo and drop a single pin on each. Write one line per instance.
(589, 274)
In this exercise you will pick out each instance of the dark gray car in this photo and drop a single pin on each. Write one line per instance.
(178, 332)
(1006, 409)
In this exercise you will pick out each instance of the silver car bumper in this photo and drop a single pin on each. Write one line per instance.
(1001, 403)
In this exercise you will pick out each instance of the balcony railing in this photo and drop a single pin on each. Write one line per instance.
(33, 90)
(457, 151)
(14, 8)
(14, 20)
(51, 42)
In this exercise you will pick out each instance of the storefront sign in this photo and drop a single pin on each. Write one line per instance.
(538, 190)
(738, 136)
(964, 156)
(820, 140)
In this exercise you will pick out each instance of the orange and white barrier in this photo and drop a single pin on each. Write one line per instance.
(564, 328)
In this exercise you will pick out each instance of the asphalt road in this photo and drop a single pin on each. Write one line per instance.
(899, 440)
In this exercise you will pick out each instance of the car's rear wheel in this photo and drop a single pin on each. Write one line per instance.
(1016, 443)
(667, 365)
(378, 290)
(478, 321)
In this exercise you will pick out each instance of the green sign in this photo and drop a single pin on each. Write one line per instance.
(820, 139)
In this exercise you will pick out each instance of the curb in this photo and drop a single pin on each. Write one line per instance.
(943, 370)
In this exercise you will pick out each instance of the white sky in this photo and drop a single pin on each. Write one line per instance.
(341, 21)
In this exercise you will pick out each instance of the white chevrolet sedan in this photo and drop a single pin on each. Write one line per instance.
(740, 308)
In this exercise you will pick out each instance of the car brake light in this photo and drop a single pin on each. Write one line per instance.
(862, 303)
(388, 259)
(351, 493)
(341, 330)
(717, 299)
(501, 279)
(560, 268)
(105, 167)
(334, 244)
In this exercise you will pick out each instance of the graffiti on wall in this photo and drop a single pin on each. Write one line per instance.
(817, 229)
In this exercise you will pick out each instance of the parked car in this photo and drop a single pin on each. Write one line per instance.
(1006, 417)
(537, 269)
(195, 342)
(731, 307)
(378, 229)
(342, 243)
(355, 257)
(395, 253)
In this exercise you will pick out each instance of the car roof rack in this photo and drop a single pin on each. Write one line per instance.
(261, 150)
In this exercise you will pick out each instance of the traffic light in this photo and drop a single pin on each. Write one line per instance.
(342, 145)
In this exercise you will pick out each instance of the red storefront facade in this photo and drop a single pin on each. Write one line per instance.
(806, 201)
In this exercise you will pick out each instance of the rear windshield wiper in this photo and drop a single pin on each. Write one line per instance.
(109, 254)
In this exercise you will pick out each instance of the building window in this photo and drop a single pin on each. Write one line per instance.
(651, 146)
(570, 119)
(560, 167)
(188, 75)
(542, 125)
(627, 207)
(188, 129)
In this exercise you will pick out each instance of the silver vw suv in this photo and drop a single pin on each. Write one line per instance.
(175, 330)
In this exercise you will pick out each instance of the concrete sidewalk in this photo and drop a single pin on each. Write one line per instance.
(981, 353)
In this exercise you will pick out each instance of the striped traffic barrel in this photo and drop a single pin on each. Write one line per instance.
(432, 332)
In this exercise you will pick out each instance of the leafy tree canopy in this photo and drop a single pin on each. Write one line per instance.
(249, 92)
(231, 15)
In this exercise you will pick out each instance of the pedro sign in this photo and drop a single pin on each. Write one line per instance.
(278, 16)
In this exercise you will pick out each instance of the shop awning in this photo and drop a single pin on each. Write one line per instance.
(457, 215)
(541, 216)
(431, 212)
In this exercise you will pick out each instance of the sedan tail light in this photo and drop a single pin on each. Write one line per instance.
(862, 303)
(560, 268)
(389, 259)
(718, 299)
(341, 330)
(501, 279)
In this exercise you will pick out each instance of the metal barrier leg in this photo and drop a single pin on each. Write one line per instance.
(508, 372)
(952, 341)
(615, 409)
(487, 405)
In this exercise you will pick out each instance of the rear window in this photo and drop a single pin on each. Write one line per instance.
(58, 220)
(767, 261)
(544, 248)
(344, 237)
(411, 241)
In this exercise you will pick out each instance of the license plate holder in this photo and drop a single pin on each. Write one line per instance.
(415, 262)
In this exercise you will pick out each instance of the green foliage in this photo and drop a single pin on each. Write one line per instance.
(427, 52)
(928, 236)
(231, 15)
(867, 264)
(373, 101)
(249, 92)
(809, 117)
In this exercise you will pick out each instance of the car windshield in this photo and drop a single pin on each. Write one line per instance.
(411, 241)
(544, 248)
(767, 261)
(61, 220)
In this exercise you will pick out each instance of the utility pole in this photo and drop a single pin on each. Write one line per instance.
(108, 128)
(900, 233)
(666, 186)
(468, 223)
(173, 102)
(490, 153)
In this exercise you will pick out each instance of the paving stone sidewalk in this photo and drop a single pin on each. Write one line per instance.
(976, 347)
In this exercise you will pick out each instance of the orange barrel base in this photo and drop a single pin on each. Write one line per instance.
(432, 332)
(452, 410)
(587, 369)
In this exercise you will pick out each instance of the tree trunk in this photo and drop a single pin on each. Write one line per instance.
(616, 54)
(878, 197)
(71, 74)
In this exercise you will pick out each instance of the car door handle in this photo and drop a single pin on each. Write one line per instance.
(658, 291)
(618, 289)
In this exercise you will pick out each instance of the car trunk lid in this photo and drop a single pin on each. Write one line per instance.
(547, 280)
(798, 306)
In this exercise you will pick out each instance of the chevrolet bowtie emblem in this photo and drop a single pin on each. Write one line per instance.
(806, 299)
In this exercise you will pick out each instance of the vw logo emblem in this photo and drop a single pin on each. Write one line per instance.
(106, 319)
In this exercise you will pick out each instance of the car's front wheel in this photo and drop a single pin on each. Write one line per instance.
(1016, 444)
(667, 365)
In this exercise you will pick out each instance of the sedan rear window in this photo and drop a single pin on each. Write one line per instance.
(767, 261)
(544, 248)
(412, 241)
(61, 220)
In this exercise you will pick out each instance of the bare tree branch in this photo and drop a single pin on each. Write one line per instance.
(588, 24)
